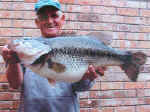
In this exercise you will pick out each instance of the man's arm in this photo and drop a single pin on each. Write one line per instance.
(14, 70)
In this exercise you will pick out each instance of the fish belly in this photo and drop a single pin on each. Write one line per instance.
(70, 74)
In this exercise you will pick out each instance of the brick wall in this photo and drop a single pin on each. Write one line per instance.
(129, 23)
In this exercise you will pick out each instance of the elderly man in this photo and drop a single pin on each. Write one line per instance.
(37, 93)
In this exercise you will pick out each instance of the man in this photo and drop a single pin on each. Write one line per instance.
(37, 93)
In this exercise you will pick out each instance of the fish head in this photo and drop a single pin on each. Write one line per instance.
(28, 49)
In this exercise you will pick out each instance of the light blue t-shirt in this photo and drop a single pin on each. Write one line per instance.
(39, 95)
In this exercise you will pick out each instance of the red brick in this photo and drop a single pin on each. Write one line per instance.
(5, 14)
(132, 101)
(94, 94)
(136, 36)
(71, 16)
(119, 35)
(18, 6)
(29, 15)
(88, 2)
(89, 17)
(124, 93)
(11, 32)
(127, 11)
(3, 78)
(78, 8)
(136, 28)
(67, 1)
(143, 44)
(123, 27)
(104, 26)
(112, 18)
(84, 110)
(5, 5)
(111, 85)
(15, 104)
(77, 25)
(144, 29)
(17, 14)
(82, 32)
(110, 102)
(3, 41)
(114, 94)
(11, 14)
(144, 12)
(32, 33)
(90, 103)
(118, 3)
(18, 23)
(134, 85)
(94, 110)
(6, 96)
(23, 23)
(140, 92)
(147, 100)
(84, 25)
(104, 10)
(136, 4)
(107, 109)
(147, 85)
(30, 1)
(71, 25)
(143, 108)
(28, 6)
(6, 105)
(4, 111)
(118, 44)
(134, 20)
(17, 0)
(84, 103)
(125, 109)
(12, 110)
(5, 23)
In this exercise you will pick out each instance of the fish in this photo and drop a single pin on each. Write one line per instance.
(67, 58)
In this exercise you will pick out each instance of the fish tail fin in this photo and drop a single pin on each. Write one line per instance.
(133, 66)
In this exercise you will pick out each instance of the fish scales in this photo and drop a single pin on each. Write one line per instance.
(87, 54)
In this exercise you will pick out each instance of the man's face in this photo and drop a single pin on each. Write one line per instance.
(50, 21)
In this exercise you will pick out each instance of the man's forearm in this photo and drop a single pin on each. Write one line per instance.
(14, 75)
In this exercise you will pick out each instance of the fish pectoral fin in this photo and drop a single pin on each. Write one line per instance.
(52, 82)
(57, 67)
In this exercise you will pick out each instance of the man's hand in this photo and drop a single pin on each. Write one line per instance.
(92, 72)
(9, 56)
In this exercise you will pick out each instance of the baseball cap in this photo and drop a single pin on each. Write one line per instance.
(42, 3)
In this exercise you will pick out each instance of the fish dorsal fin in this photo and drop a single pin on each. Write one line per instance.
(106, 37)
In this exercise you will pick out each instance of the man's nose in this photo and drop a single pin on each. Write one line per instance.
(50, 20)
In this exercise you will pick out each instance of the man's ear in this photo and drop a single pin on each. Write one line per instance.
(37, 23)
(63, 18)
